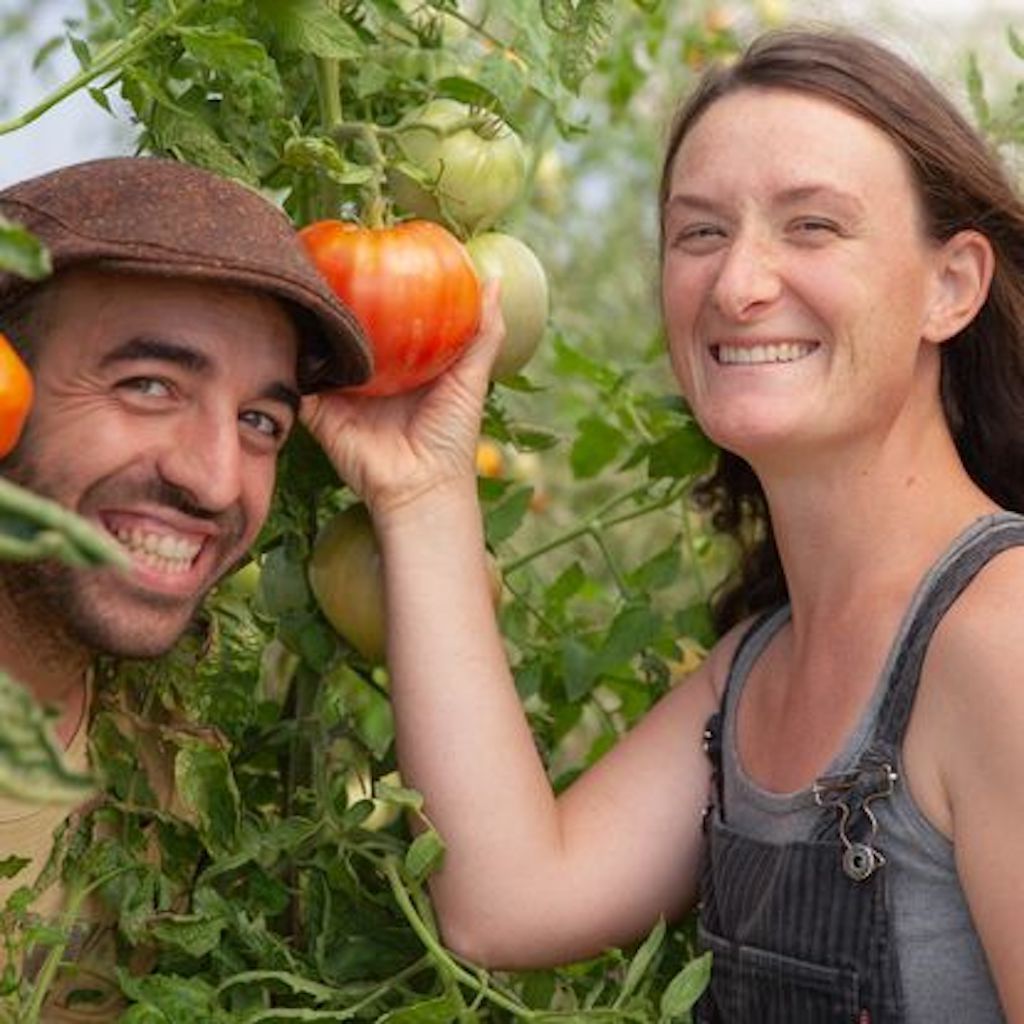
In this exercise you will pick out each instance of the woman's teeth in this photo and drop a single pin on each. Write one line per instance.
(784, 352)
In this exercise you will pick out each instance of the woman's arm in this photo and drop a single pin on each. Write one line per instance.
(527, 880)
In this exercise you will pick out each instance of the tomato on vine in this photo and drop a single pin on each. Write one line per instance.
(472, 166)
(413, 288)
(15, 396)
(524, 296)
(347, 581)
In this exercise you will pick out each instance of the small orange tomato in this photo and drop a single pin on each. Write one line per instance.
(15, 396)
(413, 288)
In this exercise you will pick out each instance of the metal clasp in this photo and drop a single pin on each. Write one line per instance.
(846, 792)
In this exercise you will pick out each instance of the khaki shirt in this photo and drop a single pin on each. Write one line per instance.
(27, 830)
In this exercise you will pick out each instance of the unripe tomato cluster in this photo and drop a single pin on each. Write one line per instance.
(414, 286)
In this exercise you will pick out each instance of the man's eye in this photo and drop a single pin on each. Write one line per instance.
(263, 423)
(151, 387)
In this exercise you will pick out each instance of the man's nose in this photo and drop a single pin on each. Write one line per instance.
(204, 458)
(748, 278)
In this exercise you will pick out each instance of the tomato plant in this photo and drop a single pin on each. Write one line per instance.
(524, 296)
(15, 396)
(346, 578)
(468, 166)
(413, 288)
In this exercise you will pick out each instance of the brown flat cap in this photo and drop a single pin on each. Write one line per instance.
(150, 215)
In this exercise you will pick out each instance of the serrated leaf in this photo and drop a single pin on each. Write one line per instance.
(312, 27)
(683, 991)
(207, 788)
(424, 855)
(22, 253)
(31, 762)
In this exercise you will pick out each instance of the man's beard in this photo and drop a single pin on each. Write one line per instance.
(88, 608)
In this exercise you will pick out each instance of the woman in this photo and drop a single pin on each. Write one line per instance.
(843, 289)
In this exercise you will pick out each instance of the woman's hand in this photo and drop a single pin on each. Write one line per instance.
(392, 450)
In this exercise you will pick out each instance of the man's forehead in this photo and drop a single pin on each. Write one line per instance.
(201, 326)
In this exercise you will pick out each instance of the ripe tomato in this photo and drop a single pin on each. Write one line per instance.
(475, 173)
(346, 579)
(15, 396)
(524, 296)
(412, 287)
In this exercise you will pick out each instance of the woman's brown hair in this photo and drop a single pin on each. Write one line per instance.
(962, 185)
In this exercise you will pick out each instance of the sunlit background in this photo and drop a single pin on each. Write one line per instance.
(937, 33)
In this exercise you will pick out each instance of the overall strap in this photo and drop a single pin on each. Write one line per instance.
(967, 558)
(713, 727)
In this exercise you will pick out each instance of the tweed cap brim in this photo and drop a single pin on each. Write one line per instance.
(150, 215)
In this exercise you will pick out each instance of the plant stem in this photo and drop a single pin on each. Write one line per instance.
(599, 521)
(83, 540)
(438, 953)
(328, 87)
(109, 58)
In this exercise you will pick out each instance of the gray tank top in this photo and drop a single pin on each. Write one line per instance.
(942, 964)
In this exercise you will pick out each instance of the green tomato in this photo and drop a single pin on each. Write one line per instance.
(466, 177)
(524, 296)
(346, 578)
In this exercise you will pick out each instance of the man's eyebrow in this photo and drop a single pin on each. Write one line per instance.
(161, 350)
(142, 348)
(279, 392)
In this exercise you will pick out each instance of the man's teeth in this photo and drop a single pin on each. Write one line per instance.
(784, 352)
(159, 551)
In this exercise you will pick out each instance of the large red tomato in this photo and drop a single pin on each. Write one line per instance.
(413, 288)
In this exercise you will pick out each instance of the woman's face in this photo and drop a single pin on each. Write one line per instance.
(797, 277)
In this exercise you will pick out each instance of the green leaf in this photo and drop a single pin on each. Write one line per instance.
(312, 27)
(683, 453)
(13, 865)
(579, 669)
(597, 445)
(442, 1010)
(22, 253)
(683, 991)
(1016, 41)
(208, 790)
(641, 963)
(636, 627)
(190, 933)
(31, 761)
(976, 92)
(503, 518)
(424, 855)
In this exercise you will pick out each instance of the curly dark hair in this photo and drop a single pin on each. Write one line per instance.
(962, 185)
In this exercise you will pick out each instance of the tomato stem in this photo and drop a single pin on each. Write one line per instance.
(108, 59)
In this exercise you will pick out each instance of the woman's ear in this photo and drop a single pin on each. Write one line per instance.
(963, 273)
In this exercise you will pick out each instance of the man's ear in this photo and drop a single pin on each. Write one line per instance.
(963, 273)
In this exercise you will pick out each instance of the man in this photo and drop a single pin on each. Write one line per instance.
(169, 352)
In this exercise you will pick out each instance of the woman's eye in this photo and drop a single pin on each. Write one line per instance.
(816, 225)
(697, 237)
